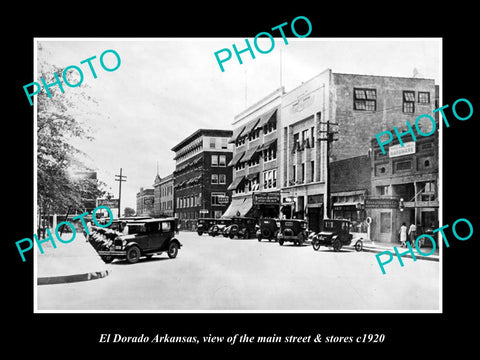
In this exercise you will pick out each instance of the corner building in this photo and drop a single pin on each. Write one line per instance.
(202, 176)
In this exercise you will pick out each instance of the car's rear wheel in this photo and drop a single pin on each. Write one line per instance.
(316, 245)
(172, 250)
(359, 245)
(133, 254)
(200, 233)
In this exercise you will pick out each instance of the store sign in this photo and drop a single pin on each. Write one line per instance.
(111, 203)
(406, 149)
(270, 198)
(381, 203)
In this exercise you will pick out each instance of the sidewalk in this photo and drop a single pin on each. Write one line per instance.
(69, 262)
(378, 247)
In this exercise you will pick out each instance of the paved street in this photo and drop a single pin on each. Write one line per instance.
(223, 274)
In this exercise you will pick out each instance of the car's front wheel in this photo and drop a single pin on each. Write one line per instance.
(172, 250)
(133, 254)
(316, 245)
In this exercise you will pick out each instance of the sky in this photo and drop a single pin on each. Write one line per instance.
(167, 88)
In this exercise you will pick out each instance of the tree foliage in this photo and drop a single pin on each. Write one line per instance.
(57, 126)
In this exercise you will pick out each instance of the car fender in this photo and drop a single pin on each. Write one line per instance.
(175, 240)
(133, 243)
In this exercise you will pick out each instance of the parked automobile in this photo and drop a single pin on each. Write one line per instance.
(219, 226)
(267, 228)
(145, 238)
(241, 227)
(335, 234)
(292, 230)
(203, 224)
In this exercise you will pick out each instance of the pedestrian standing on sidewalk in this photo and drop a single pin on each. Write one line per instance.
(412, 234)
(403, 234)
(89, 228)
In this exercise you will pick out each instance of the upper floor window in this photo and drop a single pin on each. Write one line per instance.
(409, 101)
(423, 97)
(365, 99)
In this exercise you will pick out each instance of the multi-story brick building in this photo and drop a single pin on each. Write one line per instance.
(202, 175)
(357, 108)
(163, 193)
(145, 202)
(255, 137)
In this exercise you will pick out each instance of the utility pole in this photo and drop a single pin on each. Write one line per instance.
(120, 178)
(329, 138)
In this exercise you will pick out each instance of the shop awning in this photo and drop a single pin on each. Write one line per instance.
(250, 126)
(271, 115)
(252, 175)
(267, 145)
(236, 158)
(239, 207)
(250, 152)
(235, 183)
(236, 133)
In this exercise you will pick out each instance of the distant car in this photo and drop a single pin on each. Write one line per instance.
(145, 238)
(203, 224)
(292, 230)
(267, 229)
(335, 234)
(241, 227)
(219, 226)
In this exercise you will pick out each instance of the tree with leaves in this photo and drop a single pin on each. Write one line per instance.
(58, 192)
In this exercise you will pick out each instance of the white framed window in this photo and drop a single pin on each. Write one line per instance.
(222, 160)
(214, 160)
(214, 179)
(222, 179)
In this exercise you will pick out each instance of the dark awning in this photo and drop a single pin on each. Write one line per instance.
(236, 158)
(235, 183)
(252, 175)
(249, 153)
(250, 126)
(271, 115)
(236, 133)
(267, 145)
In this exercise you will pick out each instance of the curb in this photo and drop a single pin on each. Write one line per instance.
(49, 280)
(417, 256)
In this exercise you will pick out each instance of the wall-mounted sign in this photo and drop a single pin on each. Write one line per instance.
(270, 198)
(398, 150)
(381, 203)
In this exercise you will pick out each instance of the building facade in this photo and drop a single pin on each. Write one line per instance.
(350, 185)
(405, 183)
(255, 187)
(202, 175)
(145, 202)
(163, 194)
(343, 112)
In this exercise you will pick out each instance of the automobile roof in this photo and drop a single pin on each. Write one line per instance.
(151, 220)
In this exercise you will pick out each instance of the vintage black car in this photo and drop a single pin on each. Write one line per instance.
(203, 224)
(219, 226)
(335, 234)
(267, 228)
(241, 227)
(293, 230)
(145, 238)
